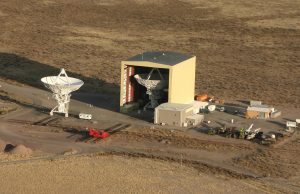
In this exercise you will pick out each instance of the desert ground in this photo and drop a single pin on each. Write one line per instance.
(245, 50)
(115, 174)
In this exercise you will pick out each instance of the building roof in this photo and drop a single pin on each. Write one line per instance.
(260, 109)
(162, 57)
(174, 106)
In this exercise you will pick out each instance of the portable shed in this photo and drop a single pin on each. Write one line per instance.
(261, 112)
(177, 68)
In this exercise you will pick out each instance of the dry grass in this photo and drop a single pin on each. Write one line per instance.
(245, 50)
(111, 174)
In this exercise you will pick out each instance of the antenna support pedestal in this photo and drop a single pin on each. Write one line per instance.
(63, 101)
(62, 86)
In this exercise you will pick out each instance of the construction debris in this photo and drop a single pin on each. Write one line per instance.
(250, 134)
(201, 97)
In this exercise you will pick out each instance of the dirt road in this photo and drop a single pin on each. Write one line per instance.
(240, 161)
(238, 167)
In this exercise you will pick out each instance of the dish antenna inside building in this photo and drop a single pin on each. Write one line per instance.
(62, 86)
(155, 83)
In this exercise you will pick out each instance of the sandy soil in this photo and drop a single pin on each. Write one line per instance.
(236, 166)
(6, 107)
(245, 50)
(115, 174)
(273, 169)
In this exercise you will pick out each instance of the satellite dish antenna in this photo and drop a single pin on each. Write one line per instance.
(61, 86)
(154, 83)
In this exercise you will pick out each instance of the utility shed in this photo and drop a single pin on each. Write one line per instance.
(259, 112)
(173, 114)
(177, 69)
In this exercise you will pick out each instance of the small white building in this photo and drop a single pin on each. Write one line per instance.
(174, 114)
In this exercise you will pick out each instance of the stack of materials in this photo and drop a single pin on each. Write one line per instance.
(201, 97)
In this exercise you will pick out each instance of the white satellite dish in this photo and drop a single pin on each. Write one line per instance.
(155, 84)
(62, 86)
(211, 108)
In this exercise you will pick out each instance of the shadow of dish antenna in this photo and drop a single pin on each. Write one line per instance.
(62, 86)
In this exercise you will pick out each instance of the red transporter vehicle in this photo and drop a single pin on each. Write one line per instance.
(99, 134)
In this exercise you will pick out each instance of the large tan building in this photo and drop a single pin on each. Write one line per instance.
(178, 70)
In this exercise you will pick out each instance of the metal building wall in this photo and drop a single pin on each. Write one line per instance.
(182, 82)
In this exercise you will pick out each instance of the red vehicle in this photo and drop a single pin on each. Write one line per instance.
(100, 134)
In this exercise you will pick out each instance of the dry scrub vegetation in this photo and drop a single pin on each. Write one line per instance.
(112, 174)
(245, 49)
